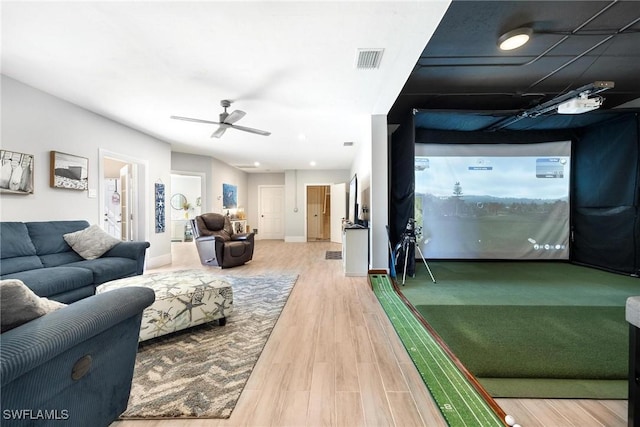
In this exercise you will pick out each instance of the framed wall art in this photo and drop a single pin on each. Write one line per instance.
(16, 172)
(69, 171)
(229, 196)
(160, 214)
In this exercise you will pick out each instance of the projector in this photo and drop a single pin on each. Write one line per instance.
(579, 105)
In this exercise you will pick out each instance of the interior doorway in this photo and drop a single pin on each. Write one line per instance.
(185, 203)
(122, 194)
(318, 213)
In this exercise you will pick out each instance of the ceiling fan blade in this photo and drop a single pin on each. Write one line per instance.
(194, 120)
(252, 130)
(234, 116)
(220, 131)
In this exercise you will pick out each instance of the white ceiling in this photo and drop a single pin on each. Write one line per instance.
(289, 65)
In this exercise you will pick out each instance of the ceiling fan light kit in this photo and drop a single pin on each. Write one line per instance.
(227, 121)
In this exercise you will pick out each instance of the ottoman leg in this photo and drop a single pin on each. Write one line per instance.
(222, 321)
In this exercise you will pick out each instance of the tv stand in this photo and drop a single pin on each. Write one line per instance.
(355, 250)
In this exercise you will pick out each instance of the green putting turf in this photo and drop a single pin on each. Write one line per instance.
(536, 329)
(458, 400)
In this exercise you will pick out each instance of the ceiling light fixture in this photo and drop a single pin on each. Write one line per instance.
(514, 38)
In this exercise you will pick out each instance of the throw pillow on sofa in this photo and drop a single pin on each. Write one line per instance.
(19, 304)
(90, 243)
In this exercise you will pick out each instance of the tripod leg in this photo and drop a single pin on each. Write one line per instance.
(425, 263)
(406, 258)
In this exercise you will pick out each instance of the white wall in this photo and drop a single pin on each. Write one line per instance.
(35, 122)
(379, 192)
(256, 180)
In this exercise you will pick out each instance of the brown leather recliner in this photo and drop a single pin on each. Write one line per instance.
(217, 244)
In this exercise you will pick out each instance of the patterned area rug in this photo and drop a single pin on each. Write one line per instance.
(200, 372)
(333, 255)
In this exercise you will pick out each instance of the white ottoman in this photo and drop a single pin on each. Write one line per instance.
(184, 298)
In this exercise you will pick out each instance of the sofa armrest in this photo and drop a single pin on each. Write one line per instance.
(133, 250)
(43, 339)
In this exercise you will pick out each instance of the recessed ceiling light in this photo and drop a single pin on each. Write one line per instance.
(312, 163)
(514, 38)
(256, 164)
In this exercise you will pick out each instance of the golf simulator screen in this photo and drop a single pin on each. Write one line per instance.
(493, 201)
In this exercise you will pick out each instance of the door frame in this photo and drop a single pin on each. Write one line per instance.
(306, 206)
(141, 209)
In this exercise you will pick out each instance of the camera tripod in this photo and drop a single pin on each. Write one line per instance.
(408, 238)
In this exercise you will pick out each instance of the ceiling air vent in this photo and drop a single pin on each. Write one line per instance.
(348, 144)
(368, 59)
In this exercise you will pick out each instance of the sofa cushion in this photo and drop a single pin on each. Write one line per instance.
(91, 242)
(108, 268)
(47, 235)
(15, 240)
(54, 280)
(22, 263)
(19, 304)
(61, 258)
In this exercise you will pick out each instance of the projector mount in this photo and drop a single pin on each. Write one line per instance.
(573, 102)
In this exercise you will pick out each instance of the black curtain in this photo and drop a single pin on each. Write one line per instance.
(606, 180)
(402, 155)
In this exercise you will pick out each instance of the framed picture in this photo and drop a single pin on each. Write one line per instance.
(229, 196)
(69, 171)
(16, 172)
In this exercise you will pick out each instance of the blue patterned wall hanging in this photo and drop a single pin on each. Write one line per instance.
(160, 219)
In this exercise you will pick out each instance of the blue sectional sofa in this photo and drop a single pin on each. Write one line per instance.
(37, 254)
(73, 366)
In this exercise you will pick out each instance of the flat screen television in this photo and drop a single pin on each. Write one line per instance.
(352, 206)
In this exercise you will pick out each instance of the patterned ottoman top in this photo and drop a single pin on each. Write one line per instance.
(170, 283)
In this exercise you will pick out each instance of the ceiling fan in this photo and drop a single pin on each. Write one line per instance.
(227, 121)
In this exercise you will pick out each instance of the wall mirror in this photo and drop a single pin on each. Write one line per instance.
(178, 200)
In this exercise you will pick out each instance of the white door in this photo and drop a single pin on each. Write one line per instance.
(338, 210)
(270, 212)
(112, 212)
(127, 206)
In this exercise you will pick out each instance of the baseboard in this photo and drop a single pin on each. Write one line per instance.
(295, 239)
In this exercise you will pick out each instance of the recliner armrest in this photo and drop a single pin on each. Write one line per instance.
(38, 341)
(242, 236)
(217, 239)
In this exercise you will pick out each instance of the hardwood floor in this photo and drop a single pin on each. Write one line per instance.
(334, 358)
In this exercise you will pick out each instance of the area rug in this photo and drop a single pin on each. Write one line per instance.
(333, 255)
(200, 372)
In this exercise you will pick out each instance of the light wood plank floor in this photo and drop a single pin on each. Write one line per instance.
(333, 358)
